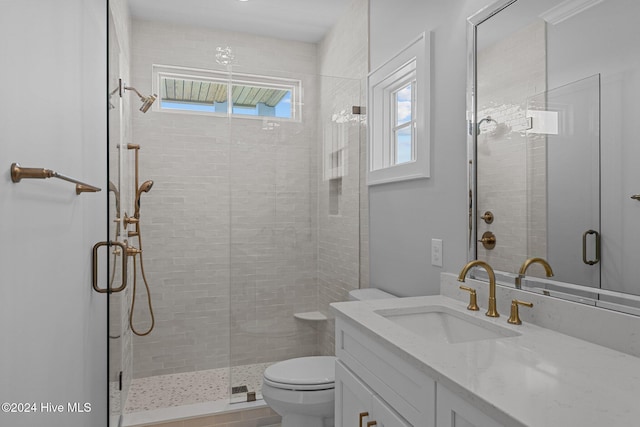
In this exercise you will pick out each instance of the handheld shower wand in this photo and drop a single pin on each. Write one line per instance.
(144, 188)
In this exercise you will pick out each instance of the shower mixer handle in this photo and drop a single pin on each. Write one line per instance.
(132, 251)
(127, 220)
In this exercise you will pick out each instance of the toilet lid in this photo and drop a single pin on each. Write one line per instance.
(302, 371)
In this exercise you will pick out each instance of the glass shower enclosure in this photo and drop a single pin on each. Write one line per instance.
(249, 221)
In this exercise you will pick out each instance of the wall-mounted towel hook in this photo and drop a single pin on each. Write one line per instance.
(18, 173)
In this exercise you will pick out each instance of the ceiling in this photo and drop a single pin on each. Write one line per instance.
(302, 20)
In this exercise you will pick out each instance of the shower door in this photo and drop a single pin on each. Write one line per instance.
(563, 171)
(295, 215)
(116, 328)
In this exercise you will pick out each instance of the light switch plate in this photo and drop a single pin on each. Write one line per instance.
(436, 252)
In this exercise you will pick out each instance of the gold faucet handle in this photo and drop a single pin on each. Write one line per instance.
(514, 319)
(473, 299)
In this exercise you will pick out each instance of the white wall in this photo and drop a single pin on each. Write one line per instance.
(53, 345)
(405, 216)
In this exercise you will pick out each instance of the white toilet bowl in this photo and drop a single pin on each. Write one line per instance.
(302, 391)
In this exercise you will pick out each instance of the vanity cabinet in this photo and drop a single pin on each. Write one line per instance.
(372, 379)
(453, 411)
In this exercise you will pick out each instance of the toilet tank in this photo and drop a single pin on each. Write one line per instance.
(368, 293)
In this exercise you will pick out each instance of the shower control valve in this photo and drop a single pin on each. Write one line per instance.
(127, 220)
(130, 219)
(132, 251)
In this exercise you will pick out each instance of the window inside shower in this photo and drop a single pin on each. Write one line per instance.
(227, 94)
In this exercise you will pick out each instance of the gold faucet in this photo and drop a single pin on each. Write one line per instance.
(492, 311)
(526, 264)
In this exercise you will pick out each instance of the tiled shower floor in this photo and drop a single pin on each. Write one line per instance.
(164, 391)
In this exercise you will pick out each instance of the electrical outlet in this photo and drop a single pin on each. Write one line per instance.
(436, 252)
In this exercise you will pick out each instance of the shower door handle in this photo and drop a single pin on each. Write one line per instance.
(584, 247)
(94, 265)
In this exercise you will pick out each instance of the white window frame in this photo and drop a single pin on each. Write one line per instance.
(230, 79)
(410, 65)
(411, 124)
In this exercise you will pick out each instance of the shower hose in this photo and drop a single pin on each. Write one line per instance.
(135, 276)
(146, 285)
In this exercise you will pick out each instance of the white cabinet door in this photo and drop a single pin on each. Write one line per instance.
(358, 406)
(353, 398)
(452, 411)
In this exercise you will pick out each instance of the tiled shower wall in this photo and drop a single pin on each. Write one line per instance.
(511, 178)
(231, 218)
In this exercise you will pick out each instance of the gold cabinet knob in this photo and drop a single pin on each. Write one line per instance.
(514, 318)
(473, 298)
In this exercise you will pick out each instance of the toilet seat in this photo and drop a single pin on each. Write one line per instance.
(303, 373)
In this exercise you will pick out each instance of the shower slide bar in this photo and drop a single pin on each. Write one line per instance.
(18, 173)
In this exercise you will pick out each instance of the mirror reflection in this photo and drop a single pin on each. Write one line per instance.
(555, 100)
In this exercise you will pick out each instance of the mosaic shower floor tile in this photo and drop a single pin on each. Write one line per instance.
(163, 391)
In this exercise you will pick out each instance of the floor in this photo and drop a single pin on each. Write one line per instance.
(164, 391)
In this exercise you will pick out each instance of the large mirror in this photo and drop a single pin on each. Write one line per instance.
(552, 103)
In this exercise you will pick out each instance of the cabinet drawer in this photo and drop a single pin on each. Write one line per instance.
(406, 389)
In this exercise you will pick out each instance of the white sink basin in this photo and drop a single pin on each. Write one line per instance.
(444, 324)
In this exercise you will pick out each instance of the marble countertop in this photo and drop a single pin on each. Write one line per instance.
(540, 378)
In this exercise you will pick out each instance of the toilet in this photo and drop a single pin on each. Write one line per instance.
(301, 390)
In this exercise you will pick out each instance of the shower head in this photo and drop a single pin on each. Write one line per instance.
(147, 101)
(489, 121)
(144, 188)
